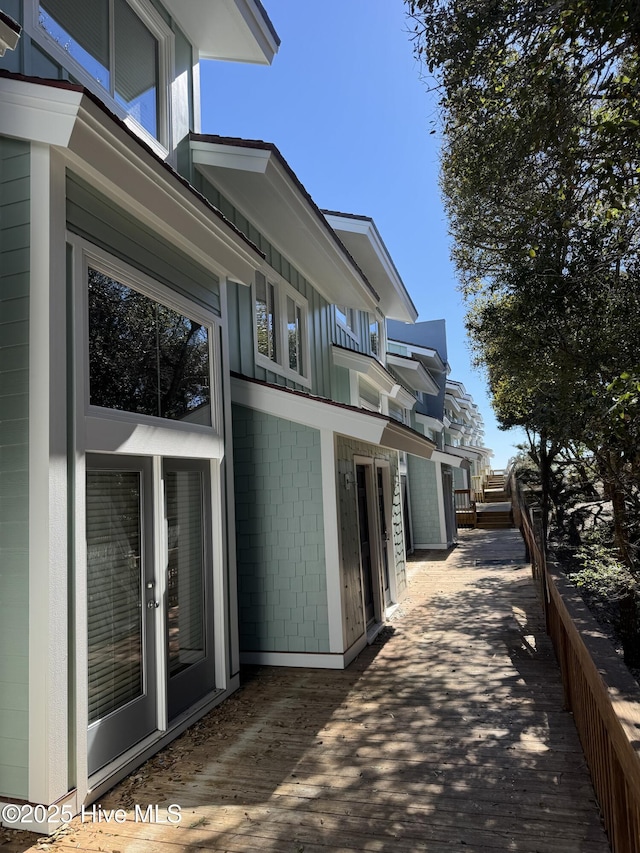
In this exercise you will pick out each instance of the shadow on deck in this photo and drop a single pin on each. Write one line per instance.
(447, 734)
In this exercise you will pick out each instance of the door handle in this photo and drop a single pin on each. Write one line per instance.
(151, 605)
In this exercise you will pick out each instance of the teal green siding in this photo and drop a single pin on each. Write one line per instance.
(241, 310)
(425, 516)
(14, 466)
(101, 222)
(459, 478)
(341, 385)
(282, 587)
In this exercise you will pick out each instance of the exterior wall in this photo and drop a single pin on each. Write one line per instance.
(94, 217)
(282, 587)
(459, 479)
(240, 316)
(349, 542)
(425, 515)
(14, 473)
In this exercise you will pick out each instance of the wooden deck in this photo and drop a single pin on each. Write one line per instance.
(447, 734)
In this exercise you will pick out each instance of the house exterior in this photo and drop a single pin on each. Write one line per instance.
(118, 589)
(319, 522)
(447, 415)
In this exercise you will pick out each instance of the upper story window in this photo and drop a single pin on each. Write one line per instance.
(347, 318)
(281, 328)
(122, 46)
(145, 357)
(375, 337)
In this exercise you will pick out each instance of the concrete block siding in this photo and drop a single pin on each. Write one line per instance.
(282, 587)
(425, 516)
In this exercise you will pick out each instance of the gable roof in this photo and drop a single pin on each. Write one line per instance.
(254, 176)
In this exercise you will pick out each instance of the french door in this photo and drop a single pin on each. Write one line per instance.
(142, 589)
(120, 606)
(366, 556)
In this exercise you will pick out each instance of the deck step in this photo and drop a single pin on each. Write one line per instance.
(496, 520)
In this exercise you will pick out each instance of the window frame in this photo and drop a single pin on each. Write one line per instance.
(207, 438)
(379, 354)
(280, 364)
(159, 29)
(350, 323)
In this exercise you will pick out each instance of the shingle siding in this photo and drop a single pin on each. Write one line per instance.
(280, 534)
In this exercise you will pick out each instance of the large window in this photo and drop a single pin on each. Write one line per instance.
(144, 356)
(281, 329)
(120, 46)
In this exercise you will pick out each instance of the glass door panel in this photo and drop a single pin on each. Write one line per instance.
(121, 672)
(189, 622)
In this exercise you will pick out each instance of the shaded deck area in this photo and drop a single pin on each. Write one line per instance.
(447, 734)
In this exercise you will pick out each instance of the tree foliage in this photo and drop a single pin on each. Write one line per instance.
(540, 174)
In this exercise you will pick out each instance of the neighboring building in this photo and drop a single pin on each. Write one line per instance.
(447, 415)
(118, 608)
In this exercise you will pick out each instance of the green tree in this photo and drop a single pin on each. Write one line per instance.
(540, 170)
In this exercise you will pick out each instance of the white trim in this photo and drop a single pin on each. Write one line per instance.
(295, 659)
(440, 498)
(9, 38)
(367, 365)
(283, 291)
(333, 552)
(433, 546)
(166, 69)
(48, 520)
(413, 372)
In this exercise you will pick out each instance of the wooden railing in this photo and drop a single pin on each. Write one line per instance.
(465, 504)
(598, 689)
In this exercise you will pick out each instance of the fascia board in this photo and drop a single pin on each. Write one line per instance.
(414, 373)
(230, 156)
(270, 199)
(403, 397)
(429, 422)
(307, 410)
(453, 402)
(45, 114)
(110, 159)
(407, 440)
(366, 365)
(9, 38)
(446, 458)
(463, 452)
(395, 300)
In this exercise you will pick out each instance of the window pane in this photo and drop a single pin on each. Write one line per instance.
(144, 357)
(266, 318)
(85, 37)
(114, 590)
(136, 67)
(374, 336)
(341, 314)
(185, 530)
(293, 334)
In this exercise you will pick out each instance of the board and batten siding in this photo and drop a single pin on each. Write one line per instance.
(282, 581)
(14, 466)
(98, 220)
(241, 313)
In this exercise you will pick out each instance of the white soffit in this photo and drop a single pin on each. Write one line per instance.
(99, 149)
(361, 237)
(234, 30)
(429, 422)
(9, 34)
(367, 366)
(413, 372)
(446, 458)
(256, 181)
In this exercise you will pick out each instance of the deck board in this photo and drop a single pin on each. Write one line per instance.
(447, 734)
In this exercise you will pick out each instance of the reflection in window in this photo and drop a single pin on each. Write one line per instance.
(266, 318)
(144, 357)
(294, 334)
(374, 337)
(114, 47)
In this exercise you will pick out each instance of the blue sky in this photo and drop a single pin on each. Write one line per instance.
(345, 104)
